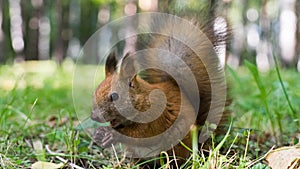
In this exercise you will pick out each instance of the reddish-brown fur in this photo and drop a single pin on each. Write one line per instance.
(140, 89)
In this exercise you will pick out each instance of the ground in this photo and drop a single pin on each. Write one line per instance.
(38, 114)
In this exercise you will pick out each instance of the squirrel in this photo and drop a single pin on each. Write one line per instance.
(198, 54)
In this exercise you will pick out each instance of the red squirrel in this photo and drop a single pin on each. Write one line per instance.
(198, 53)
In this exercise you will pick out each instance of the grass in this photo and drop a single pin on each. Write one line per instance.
(37, 108)
(261, 104)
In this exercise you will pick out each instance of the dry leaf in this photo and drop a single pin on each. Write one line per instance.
(284, 158)
(38, 150)
(37, 145)
(296, 164)
(46, 165)
(51, 121)
(54, 121)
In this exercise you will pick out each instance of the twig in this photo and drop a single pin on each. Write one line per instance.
(123, 158)
(264, 156)
(2, 162)
(175, 160)
(61, 159)
(115, 153)
(168, 160)
(247, 145)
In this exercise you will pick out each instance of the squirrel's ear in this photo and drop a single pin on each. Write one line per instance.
(133, 83)
(127, 67)
(111, 64)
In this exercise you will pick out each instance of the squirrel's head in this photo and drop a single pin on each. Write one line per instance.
(121, 90)
(104, 97)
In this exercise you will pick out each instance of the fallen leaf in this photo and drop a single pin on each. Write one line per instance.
(38, 150)
(51, 121)
(37, 145)
(46, 165)
(55, 121)
(296, 164)
(284, 158)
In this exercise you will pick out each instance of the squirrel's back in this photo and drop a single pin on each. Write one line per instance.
(197, 45)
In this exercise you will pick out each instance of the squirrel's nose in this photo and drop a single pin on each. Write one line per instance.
(94, 116)
(97, 116)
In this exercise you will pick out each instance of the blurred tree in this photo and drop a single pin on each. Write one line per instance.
(165, 6)
(246, 53)
(297, 9)
(8, 52)
(1, 34)
(88, 20)
(88, 25)
(31, 16)
(63, 32)
(59, 28)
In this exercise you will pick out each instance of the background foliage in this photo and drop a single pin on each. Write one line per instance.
(56, 29)
(36, 99)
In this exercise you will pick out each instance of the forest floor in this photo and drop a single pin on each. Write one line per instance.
(40, 109)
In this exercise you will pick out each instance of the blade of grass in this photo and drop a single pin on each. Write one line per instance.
(282, 85)
(194, 133)
(211, 160)
(263, 94)
(234, 75)
(152, 160)
(224, 139)
(278, 118)
(185, 146)
(31, 110)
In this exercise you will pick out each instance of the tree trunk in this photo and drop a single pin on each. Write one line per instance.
(8, 52)
(297, 46)
(63, 33)
(1, 34)
(31, 19)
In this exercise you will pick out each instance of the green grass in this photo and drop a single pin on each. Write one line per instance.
(260, 102)
(33, 93)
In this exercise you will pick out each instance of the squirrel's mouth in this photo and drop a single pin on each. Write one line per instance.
(105, 116)
(114, 123)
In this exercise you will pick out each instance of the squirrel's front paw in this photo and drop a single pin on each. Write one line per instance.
(104, 137)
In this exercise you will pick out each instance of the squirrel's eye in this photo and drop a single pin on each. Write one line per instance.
(114, 96)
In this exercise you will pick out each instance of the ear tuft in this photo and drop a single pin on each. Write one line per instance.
(128, 67)
(133, 83)
(111, 64)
